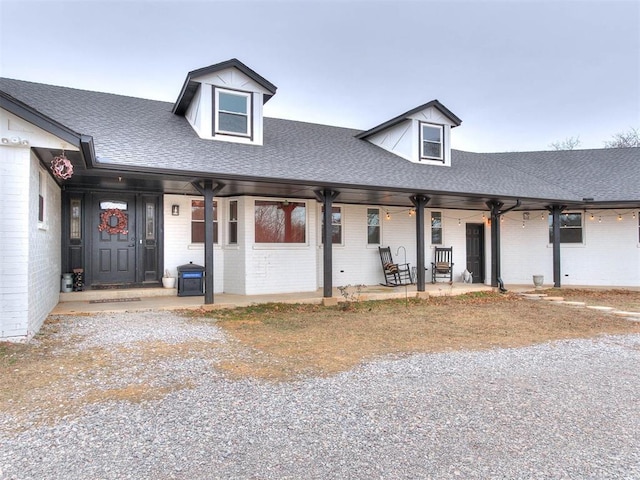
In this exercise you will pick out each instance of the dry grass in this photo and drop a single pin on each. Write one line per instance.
(298, 340)
(50, 378)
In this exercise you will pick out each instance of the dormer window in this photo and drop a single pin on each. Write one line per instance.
(232, 113)
(431, 140)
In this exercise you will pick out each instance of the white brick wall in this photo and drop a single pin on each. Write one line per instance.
(178, 249)
(30, 279)
(608, 256)
(279, 268)
(44, 248)
(14, 238)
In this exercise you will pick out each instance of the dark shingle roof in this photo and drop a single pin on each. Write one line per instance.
(137, 133)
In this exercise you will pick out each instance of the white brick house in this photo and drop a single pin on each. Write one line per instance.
(168, 167)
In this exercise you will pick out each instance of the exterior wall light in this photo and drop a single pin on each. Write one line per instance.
(175, 210)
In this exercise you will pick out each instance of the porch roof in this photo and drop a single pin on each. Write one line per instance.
(142, 144)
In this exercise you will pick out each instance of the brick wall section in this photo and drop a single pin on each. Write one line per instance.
(14, 180)
(44, 248)
(178, 249)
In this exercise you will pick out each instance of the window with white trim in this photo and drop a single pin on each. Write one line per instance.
(336, 225)
(197, 221)
(436, 228)
(41, 195)
(570, 227)
(233, 222)
(232, 112)
(431, 142)
(280, 222)
(373, 226)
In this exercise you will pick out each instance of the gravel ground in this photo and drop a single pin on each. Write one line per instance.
(561, 410)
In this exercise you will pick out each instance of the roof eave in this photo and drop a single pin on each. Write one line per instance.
(40, 120)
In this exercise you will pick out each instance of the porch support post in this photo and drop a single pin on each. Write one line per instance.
(555, 211)
(494, 209)
(420, 202)
(208, 190)
(326, 197)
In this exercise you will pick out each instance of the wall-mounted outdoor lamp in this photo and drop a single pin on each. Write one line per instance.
(175, 210)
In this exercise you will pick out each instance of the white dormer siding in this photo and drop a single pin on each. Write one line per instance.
(422, 135)
(202, 113)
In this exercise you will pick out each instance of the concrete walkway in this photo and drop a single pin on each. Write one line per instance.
(138, 299)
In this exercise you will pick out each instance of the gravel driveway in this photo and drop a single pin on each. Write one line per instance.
(567, 409)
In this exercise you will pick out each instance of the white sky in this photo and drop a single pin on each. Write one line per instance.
(520, 74)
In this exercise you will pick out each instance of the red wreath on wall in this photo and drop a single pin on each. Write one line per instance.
(105, 222)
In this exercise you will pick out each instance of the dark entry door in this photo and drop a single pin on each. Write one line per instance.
(113, 257)
(475, 251)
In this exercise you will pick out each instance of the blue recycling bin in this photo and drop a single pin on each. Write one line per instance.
(190, 280)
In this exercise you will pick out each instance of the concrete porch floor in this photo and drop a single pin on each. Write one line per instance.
(137, 299)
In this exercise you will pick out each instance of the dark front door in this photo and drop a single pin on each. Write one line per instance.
(475, 251)
(113, 251)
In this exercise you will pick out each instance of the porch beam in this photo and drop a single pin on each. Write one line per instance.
(326, 197)
(420, 202)
(555, 211)
(208, 190)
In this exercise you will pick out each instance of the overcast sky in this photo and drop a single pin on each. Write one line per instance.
(519, 74)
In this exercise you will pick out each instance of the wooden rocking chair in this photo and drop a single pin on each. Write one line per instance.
(442, 265)
(395, 274)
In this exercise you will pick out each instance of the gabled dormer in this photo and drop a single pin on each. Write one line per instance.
(224, 102)
(421, 135)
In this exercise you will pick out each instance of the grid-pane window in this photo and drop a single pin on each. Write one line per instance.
(431, 141)
(336, 225)
(373, 226)
(280, 222)
(570, 228)
(233, 112)
(436, 228)
(233, 222)
(197, 221)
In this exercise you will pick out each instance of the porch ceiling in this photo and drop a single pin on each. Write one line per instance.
(109, 178)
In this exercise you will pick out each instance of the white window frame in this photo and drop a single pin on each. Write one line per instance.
(42, 199)
(233, 221)
(441, 228)
(440, 128)
(581, 228)
(379, 226)
(341, 224)
(291, 245)
(216, 116)
(216, 233)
